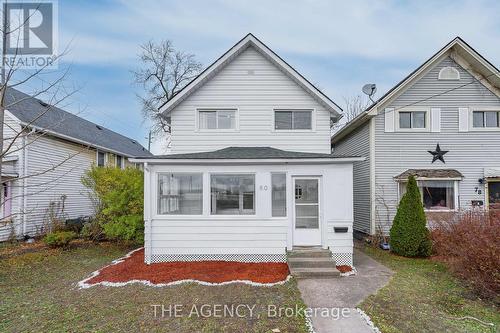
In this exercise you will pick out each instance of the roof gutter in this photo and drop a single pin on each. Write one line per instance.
(248, 161)
(350, 126)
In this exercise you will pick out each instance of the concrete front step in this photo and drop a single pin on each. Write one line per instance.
(314, 272)
(312, 262)
(313, 253)
(300, 262)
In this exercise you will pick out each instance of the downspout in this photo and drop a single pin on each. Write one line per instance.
(147, 213)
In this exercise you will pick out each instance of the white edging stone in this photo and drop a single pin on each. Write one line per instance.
(368, 320)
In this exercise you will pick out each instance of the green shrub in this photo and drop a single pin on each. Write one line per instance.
(59, 238)
(409, 233)
(92, 231)
(119, 193)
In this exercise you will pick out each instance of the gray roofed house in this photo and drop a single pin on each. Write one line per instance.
(250, 175)
(440, 124)
(42, 170)
(37, 113)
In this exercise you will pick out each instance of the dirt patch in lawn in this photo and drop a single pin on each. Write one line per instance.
(133, 269)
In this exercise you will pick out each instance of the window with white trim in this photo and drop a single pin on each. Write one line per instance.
(449, 73)
(119, 161)
(486, 119)
(180, 193)
(278, 194)
(101, 158)
(217, 119)
(232, 194)
(292, 119)
(412, 119)
(437, 195)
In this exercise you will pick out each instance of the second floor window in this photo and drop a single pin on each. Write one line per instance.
(292, 119)
(224, 119)
(486, 119)
(413, 119)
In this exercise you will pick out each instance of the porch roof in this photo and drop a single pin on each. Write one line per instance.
(429, 173)
(248, 153)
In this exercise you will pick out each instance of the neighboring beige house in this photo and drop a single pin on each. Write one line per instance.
(42, 172)
(452, 100)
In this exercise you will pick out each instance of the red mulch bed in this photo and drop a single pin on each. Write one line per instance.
(344, 268)
(134, 268)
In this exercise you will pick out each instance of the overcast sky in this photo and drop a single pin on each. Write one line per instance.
(338, 45)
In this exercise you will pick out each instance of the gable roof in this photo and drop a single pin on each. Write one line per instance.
(460, 52)
(32, 112)
(249, 153)
(239, 47)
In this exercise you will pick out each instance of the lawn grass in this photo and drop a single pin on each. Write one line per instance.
(423, 296)
(39, 294)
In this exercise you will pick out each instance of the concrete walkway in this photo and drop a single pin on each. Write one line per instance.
(344, 294)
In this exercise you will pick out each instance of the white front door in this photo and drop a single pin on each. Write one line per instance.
(307, 230)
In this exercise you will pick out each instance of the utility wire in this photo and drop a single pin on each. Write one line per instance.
(433, 96)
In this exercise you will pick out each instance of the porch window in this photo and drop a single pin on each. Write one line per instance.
(293, 119)
(278, 182)
(217, 119)
(436, 194)
(233, 194)
(180, 193)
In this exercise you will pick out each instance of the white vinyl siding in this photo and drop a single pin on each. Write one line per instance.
(469, 151)
(256, 87)
(358, 144)
(57, 167)
(11, 127)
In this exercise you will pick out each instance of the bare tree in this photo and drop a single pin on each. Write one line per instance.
(42, 82)
(163, 73)
(353, 106)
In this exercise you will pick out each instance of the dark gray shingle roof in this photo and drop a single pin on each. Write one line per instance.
(249, 153)
(32, 110)
(429, 173)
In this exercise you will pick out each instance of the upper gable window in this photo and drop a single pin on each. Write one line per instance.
(293, 119)
(486, 119)
(449, 73)
(217, 119)
(412, 120)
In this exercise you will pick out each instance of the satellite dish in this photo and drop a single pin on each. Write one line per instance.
(369, 89)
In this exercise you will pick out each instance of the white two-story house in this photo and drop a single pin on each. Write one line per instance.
(250, 174)
(442, 125)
